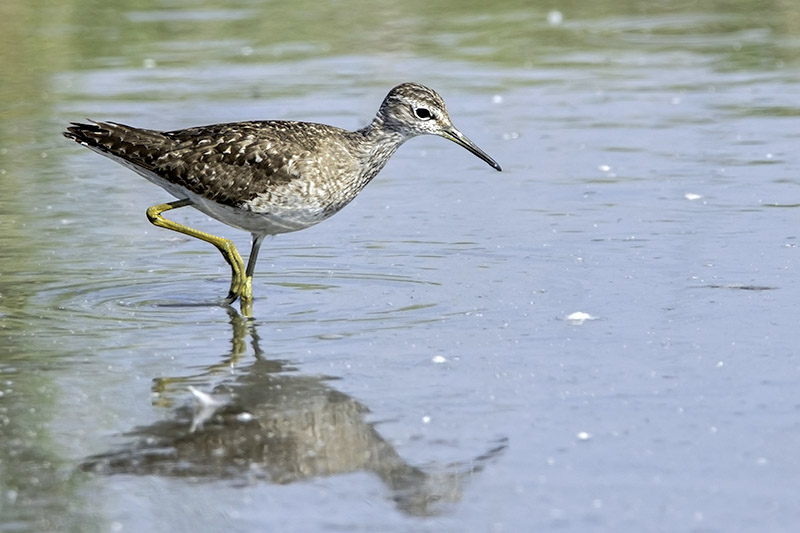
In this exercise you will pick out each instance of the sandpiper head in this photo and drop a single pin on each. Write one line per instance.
(411, 109)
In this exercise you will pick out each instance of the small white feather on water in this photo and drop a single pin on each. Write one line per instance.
(579, 317)
(205, 405)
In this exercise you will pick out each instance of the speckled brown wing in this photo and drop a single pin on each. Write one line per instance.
(227, 163)
(231, 163)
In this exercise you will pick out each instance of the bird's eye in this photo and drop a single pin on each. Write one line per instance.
(423, 113)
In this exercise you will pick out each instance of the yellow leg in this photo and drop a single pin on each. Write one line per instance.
(240, 284)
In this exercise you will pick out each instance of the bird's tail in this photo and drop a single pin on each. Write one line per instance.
(118, 141)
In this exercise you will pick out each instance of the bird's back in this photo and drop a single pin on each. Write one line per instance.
(230, 164)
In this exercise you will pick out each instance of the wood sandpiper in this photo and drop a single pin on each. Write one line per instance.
(269, 177)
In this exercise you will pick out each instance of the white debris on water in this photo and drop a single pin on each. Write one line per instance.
(555, 17)
(204, 398)
(583, 435)
(439, 359)
(244, 416)
(205, 405)
(692, 196)
(579, 317)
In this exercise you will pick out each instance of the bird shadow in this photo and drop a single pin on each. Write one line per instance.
(267, 423)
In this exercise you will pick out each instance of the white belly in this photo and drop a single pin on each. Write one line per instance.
(277, 219)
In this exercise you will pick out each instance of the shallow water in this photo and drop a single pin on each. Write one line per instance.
(411, 364)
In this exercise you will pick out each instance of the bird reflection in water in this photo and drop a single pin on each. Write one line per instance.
(266, 424)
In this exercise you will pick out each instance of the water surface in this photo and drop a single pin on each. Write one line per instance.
(411, 364)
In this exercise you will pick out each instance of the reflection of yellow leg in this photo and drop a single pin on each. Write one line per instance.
(168, 389)
(239, 285)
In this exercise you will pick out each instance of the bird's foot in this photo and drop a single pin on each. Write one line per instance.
(242, 290)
